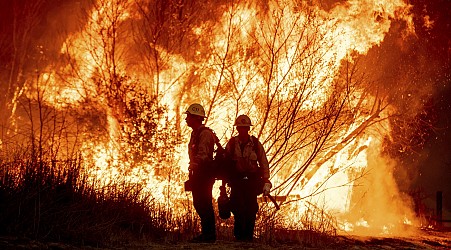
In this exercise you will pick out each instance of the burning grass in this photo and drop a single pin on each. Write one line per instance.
(52, 201)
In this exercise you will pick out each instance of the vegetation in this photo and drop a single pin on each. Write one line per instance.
(53, 202)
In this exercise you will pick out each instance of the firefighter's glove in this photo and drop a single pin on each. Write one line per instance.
(267, 188)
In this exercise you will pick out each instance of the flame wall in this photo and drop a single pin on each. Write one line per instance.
(355, 70)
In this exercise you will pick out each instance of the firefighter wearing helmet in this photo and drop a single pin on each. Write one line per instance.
(200, 183)
(243, 121)
(250, 178)
(196, 110)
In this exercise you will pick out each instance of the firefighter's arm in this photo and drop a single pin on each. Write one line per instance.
(263, 161)
(228, 148)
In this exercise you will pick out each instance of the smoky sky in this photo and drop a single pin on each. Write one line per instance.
(432, 55)
(419, 69)
(417, 66)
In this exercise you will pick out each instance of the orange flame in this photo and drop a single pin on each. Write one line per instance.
(349, 27)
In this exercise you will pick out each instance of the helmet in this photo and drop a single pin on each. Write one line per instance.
(196, 109)
(243, 121)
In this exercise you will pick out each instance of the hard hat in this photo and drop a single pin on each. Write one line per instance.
(196, 109)
(243, 121)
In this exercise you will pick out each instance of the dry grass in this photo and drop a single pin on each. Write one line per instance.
(52, 202)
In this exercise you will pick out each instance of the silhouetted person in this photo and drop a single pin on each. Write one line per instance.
(249, 179)
(200, 149)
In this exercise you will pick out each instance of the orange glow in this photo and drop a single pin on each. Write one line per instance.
(253, 61)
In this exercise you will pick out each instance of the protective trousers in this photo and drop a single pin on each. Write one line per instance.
(202, 199)
(243, 198)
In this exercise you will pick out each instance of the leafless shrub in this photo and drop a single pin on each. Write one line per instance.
(316, 228)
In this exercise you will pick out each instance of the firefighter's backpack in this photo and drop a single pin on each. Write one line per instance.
(222, 165)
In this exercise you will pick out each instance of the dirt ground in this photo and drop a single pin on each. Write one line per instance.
(424, 240)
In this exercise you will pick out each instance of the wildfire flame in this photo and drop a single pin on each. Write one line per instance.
(252, 52)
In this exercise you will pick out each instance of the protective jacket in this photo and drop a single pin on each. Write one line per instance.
(200, 148)
(248, 156)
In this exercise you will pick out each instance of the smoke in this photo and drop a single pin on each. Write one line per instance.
(414, 73)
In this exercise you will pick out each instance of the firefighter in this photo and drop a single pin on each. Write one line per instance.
(200, 150)
(250, 178)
